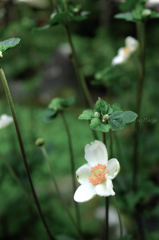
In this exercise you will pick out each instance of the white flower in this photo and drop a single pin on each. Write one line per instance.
(96, 176)
(131, 45)
(5, 120)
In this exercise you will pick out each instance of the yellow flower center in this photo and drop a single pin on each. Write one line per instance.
(126, 50)
(97, 174)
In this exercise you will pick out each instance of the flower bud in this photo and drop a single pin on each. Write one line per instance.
(146, 13)
(96, 114)
(39, 142)
(106, 117)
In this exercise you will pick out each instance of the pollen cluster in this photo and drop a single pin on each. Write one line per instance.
(97, 174)
(126, 50)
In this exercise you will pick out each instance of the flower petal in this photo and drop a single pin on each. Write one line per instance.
(96, 153)
(5, 120)
(132, 43)
(113, 167)
(105, 188)
(85, 192)
(83, 173)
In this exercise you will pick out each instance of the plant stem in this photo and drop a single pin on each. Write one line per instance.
(119, 216)
(13, 174)
(114, 199)
(11, 105)
(79, 74)
(57, 190)
(106, 202)
(72, 168)
(141, 38)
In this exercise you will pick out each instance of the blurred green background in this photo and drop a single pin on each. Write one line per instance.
(96, 40)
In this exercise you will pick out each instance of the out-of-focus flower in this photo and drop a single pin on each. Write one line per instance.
(96, 176)
(5, 120)
(131, 45)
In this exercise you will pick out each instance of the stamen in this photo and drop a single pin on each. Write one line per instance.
(98, 173)
(126, 50)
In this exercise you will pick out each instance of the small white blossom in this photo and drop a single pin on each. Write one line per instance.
(96, 176)
(1, 55)
(131, 45)
(5, 120)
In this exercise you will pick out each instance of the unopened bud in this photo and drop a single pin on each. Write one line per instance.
(39, 142)
(146, 12)
(106, 117)
(96, 114)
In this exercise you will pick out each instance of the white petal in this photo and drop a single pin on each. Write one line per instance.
(85, 192)
(83, 173)
(113, 167)
(96, 153)
(5, 120)
(105, 188)
(117, 60)
(132, 43)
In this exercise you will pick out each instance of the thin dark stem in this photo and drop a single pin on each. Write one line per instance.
(58, 191)
(106, 218)
(141, 37)
(119, 215)
(80, 77)
(72, 168)
(114, 199)
(104, 138)
(111, 144)
(11, 105)
(106, 202)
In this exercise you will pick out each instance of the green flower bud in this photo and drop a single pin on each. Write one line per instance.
(39, 142)
(96, 114)
(106, 117)
(146, 13)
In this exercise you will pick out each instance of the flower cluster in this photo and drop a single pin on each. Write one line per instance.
(96, 176)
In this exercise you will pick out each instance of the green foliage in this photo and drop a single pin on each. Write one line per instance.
(9, 43)
(105, 117)
(139, 13)
(55, 106)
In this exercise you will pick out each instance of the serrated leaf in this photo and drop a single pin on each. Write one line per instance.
(116, 121)
(103, 107)
(126, 16)
(97, 125)
(9, 43)
(129, 116)
(87, 115)
(97, 105)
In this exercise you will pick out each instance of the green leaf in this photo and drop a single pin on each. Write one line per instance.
(126, 16)
(9, 43)
(116, 107)
(116, 121)
(48, 115)
(97, 125)
(103, 107)
(87, 115)
(97, 105)
(59, 104)
(129, 116)
(57, 18)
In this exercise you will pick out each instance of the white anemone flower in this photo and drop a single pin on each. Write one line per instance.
(96, 176)
(5, 120)
(131, 45)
